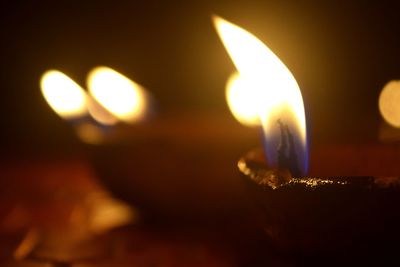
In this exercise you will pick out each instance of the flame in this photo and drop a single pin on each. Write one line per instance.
(122, 97)
(275, 92)
(63, 95)
(240, 101)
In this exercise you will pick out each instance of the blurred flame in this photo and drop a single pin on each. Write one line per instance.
(64, 96)
(241, 102)
(274, 90)
(122, 97)
(389, 103)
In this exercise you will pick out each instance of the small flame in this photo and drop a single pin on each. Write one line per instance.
(240, 101)
(122, 97)
(63, 95)
(275, 91)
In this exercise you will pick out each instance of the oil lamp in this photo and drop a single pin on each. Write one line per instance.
(343, 218)
(162, 165)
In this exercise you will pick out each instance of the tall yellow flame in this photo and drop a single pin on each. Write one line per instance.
(63, 95)
(122, 97)
(274, 90)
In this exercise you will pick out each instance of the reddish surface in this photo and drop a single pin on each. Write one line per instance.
(213, 226)
(355, 159)
(42, 194)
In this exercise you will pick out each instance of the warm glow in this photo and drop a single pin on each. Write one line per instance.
(100, 114)
(120, 96)
(240, 101)
(106, 213)
(65, 96)
(275, 91)
(389, 103)
(89, 133)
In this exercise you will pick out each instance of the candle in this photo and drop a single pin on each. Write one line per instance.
(308, 218)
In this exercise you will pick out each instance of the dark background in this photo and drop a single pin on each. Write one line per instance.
(341, 53)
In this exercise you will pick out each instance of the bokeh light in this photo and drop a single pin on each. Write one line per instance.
(63, 95)
(389, 103)
(122, 97)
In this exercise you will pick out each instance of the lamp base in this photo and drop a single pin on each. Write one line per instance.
(341, 218)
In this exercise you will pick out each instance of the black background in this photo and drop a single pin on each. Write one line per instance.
(341, 53)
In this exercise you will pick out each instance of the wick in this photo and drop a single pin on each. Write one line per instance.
(287, 157)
